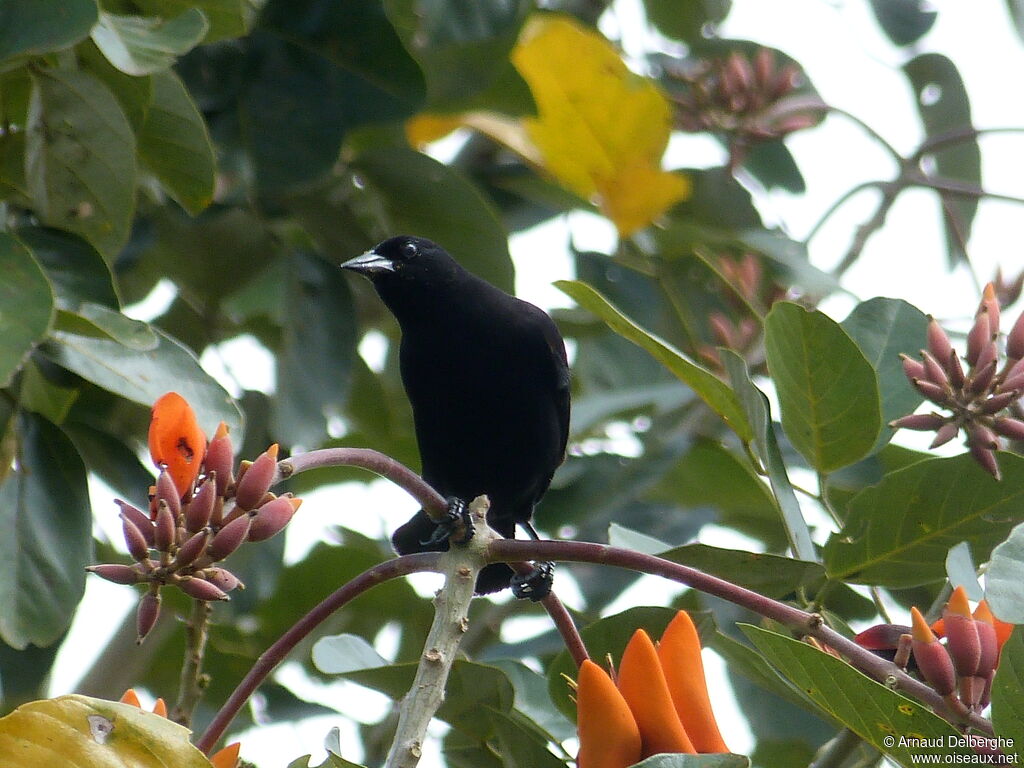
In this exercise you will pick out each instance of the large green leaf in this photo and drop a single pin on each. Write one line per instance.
(47, 541)
(74, 268)
(869, 709)
(80, 158)
(134, 94)
(314, 365)
(686, 21)
(141, 45)
(519, 742)
(904, 21)
(883, 329)
(421, 196)
(898, 532)
(708, 387)
(26, 305)
(1008, 694)
(144, 375)
(828, 391)
(945, 106)
(226, 17)
(1004, 578)
(34, 27)
(462, 46)
(766, 444)
(175, 145)
(771, 575)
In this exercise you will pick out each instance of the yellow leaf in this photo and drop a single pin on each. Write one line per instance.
(601, 129)
(93, 733)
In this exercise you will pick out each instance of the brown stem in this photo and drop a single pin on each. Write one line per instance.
(433, 503)
(566, 628)
(800, 622)
(275, 654)
(193, 680)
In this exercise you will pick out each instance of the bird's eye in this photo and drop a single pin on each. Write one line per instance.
(409, 250)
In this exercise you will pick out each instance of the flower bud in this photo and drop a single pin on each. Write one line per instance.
(229, 538)
(1015, 339)
(139, 518)
(608, 732)
(998, 402)
(1013, 381)
(198, 511)
(933, 392)
(982, 377)
(980, 435)
(912, 368)
(882, 637)
(176, 441)
(922, 422)
(990, 306)
(165, 491)
(977, 338)
(165, 530)
(220, 458)
(961, 634)
(147, 614)
(271, 518)
(125, 574)
(931, 656)
(201, 589)
(955, 370)
(193, 548)
(138, 547)
(1011, 428)
(945, 433)
(934, 372)
(222, 578)
(255, 483)
(988, 641)
(938, 342)
(764, 68)
(986, 458)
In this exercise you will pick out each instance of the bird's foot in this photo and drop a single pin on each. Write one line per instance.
(535, 585)
(456, 526)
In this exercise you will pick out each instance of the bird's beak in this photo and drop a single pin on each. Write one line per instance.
(369, 263)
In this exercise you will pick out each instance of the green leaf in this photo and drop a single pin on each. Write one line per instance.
(74, 268)
(1004, 577)
(134, 94)
(463, 46)
(80, 158)
(47, 541)
(898, 532)
(175, 144)
(774, 576)
(708, 387)
(827, 390)
(686, 21)
(883, 329)
(904, 21)
(318, 347)
(26, 306)
(532, 700)
(945, 106)
(49, 400)
(132, 333)
(962, 572)
(140, 45)
(792, 258)
(337, 654)
(424, 197)
(35, 27)
(774, 166)
(758, 411)
(867, 708)
(1008, 695)
(226, 17)
(520, 745)
(143, 376)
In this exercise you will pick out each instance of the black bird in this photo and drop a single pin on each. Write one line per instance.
(487, 377)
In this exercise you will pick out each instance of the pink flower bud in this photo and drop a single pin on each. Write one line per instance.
(192, 549)
(139, 518)
(987, 459)
(201, 589)
(166, 530)
(922, 422)
(198, 511)
(931, 656)
(980, 381)
(990, 306)
(166, 491)
(119, 574)
(255, 483)
(933, 392)
(998, 402)
(222, 578)
(1015, 339)
(979, 434)
(977, 338)
(961, 634)
(764, 68)
(1007, 427)
(220, 458)
(912, 368)
(229, 538)
(138, 547)
(147, 614)
(938, 342)
(955, 370)
(934, 372)
(945, 433)
(272, 517)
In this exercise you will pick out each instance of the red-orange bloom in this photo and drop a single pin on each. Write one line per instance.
(176, 441)
(227, 757)
(609, 737)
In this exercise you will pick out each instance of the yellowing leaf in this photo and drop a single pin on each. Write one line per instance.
(93, 733)
(601, 130)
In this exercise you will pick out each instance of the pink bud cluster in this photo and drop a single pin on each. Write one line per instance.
(977, 397)
(748, 99)
(181, 541)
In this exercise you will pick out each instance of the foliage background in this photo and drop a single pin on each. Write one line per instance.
(233, 154)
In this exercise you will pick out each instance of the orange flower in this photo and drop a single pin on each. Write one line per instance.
(661, 696)
(983, 612)
(226, 757)
(176, 441)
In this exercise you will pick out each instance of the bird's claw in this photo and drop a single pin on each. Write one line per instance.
(456, 526)
(535, 585)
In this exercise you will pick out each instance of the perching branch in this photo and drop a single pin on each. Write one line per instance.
(193, 680)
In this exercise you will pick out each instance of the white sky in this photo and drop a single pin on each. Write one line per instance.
(854, 67)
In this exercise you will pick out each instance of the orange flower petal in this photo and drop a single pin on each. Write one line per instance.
(1003, 628)
(160, 708)
(131, 697)
(227, 757)
(679, 653)
(176, 441)
(609, 737)
(644, 688)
